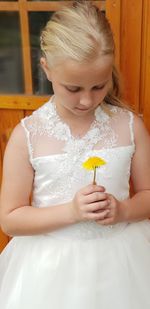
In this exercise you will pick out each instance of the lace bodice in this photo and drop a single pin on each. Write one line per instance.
(57, 155)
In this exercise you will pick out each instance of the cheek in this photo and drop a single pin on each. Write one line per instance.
(62, 93)
(57, 89)
(109, 86)
(105, 91)
(100, 95)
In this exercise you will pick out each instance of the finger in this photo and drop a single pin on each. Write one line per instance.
(107, 221)
(92, 188)
(97, 216)
(95, 197)
(98, 206)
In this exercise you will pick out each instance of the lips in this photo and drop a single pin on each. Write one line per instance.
(82, 109)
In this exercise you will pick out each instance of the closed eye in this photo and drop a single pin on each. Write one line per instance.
(99, 87)
(77, 89)
(73, 89)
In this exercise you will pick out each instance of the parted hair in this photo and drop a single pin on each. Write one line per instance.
(80, 32)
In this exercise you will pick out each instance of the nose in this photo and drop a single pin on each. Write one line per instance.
(86, 99)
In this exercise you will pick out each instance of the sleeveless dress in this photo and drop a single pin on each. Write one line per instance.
(85, 265)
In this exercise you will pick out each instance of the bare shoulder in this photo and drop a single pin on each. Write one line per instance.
(16, 157)
(18, 137)
(140, 130)
(18, 173)
(17, 144)
(140, 171)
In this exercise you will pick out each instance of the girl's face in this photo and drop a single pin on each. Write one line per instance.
(80, 88)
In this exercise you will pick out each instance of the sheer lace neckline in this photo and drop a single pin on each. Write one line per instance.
(48, 134)
(99, 116)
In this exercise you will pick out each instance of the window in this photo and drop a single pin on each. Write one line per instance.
(21, 22)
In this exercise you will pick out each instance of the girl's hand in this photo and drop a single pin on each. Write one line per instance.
(90, 203)
(116, 212)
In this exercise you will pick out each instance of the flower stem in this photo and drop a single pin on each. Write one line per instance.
(94, 178)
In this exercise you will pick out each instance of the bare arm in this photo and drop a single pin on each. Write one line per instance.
(136, 208)
(17, 216)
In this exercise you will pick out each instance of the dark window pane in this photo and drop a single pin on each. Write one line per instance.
(37, 21)
(51, 0)
(11, 73)
(46, 0)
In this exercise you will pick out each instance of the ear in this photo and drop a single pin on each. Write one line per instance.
(45, 68)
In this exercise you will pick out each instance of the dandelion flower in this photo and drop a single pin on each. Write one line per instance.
(92, 164)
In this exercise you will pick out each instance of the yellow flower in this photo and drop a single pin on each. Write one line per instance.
(92, 164)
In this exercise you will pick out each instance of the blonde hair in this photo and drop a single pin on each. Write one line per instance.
(80, 32)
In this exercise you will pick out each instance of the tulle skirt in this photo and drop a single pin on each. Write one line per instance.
(57, 272)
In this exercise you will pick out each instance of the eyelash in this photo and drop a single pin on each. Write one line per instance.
(99, 88)
(77, 90)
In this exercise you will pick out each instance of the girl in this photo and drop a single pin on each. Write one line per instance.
(80, 246)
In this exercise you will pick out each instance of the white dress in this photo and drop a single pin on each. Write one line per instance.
(86, 265)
